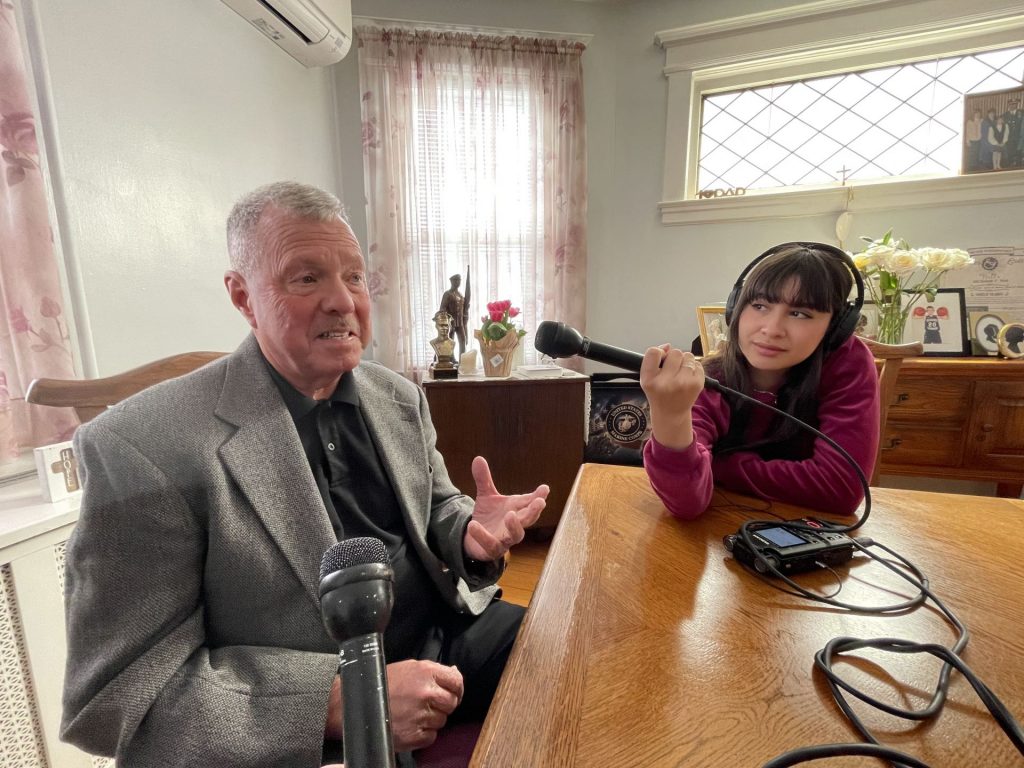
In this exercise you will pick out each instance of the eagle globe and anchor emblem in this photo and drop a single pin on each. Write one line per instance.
(626, 423)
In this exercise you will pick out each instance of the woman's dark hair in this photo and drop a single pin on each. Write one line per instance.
(822, 282)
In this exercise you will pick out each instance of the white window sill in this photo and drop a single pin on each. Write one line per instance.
(1002, 186)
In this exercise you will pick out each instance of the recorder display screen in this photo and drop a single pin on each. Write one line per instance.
(780, 537)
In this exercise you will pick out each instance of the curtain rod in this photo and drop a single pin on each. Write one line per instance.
(435, 26)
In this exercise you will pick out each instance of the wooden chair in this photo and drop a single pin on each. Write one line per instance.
(892, 357)
(90, 397)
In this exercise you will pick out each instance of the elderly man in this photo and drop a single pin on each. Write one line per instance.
(194, 632)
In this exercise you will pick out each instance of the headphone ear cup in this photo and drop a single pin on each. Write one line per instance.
(843, 328)
(730, 303)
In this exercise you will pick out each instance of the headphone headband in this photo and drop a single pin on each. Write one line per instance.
(843, 322)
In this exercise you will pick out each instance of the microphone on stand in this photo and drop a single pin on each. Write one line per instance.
(559, 340)
(356, 596)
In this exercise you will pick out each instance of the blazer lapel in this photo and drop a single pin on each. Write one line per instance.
(399, 444)
(266, 460)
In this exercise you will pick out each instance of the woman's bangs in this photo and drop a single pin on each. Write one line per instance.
(814, 284)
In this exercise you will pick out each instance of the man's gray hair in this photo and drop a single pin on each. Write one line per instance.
(302, 200)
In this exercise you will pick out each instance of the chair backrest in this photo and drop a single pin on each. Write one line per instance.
(892, 357)
(90, 397)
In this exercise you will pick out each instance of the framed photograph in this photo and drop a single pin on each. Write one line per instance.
(941, 325)
(1011, 341)
(992, 126)
(713, 331)
(984, 326)
(867, 325)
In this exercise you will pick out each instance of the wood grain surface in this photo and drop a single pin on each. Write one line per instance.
(647, 644)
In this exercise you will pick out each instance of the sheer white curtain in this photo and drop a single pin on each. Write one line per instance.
(35, 338)
(474, 153)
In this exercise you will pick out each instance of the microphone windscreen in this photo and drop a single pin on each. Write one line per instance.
(362, 550)
(557, 339)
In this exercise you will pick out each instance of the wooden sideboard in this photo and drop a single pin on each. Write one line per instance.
(529, 430)
(956, 417)
(951, 417)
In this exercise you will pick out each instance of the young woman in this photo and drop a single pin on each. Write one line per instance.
(790, 345)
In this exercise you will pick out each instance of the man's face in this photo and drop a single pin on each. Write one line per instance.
(307, 301)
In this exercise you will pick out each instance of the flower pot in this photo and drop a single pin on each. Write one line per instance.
(498, 355)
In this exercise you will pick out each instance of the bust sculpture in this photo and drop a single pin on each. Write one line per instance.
(444, 366)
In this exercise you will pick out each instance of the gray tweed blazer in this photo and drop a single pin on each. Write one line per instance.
(194, 632)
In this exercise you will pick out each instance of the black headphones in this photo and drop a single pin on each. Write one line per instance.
(843, 322)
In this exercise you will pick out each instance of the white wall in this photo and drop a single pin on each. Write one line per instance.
(164, 113)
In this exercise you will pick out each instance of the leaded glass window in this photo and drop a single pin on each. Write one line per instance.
(894, 121)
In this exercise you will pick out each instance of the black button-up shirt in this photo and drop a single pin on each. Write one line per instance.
(360, 501)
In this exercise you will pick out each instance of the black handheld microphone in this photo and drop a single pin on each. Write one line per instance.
(356, 596)
(559, 340)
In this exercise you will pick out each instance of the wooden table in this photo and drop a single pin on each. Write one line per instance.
(647, 644)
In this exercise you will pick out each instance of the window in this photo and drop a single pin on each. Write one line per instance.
(878, 123)
(478, 198)
(474, 155)
(803, 103)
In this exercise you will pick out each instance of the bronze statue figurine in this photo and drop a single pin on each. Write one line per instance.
(444, 365)
(457, 307)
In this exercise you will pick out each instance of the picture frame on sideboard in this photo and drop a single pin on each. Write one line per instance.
(984, 326)
(713, 330)
(940, 324)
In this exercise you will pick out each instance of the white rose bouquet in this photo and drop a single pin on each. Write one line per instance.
(896, 276)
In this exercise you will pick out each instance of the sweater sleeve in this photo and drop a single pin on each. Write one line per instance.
(682, 479)
(848, 413)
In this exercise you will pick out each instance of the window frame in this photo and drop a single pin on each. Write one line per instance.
(810, 40)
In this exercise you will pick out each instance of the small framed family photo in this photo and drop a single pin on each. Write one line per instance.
(713, 331)
(992, 131)
(941, 325)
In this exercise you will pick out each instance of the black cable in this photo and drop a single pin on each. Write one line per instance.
(823, 751)
(842, 452)
(823, 659)
(745, 531)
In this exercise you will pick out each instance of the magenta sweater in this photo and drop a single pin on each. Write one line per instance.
(847, 412)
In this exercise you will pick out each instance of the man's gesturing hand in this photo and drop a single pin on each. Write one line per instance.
(499, 521)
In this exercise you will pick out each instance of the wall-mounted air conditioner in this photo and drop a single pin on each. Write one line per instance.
(315, 32)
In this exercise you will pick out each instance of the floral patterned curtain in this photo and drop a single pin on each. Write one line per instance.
(34, 332)
(501, 186)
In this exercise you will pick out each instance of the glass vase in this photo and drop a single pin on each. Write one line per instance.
(892, 319)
